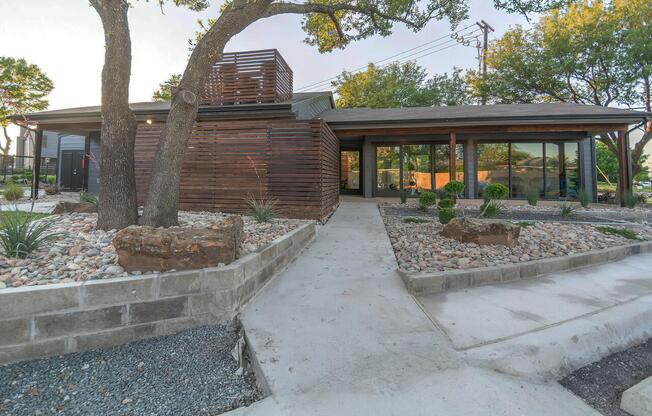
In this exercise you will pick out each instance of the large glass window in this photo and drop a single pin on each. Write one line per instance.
(442, 158)
(527, 168)
(493, 165)
(552, 171)
(388, 159)
(416, 168)
(350, 170)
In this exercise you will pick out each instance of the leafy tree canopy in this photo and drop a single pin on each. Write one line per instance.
(164, 91)
(400, 85)
(23, 89)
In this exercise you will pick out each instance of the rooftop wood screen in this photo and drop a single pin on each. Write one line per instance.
(296, 162)
(247, 78)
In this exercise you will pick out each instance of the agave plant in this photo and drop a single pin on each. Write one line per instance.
(21, 233)
(263, 209)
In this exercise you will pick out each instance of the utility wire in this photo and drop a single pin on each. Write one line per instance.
(311, 86)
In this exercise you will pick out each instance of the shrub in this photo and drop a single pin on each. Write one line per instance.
(630, 200)
(12, 192)
(583, 197)
(446, 203)
(403, 195)
(445, 215)
(495, 191)
(53, 189)
(86, 197)
(532, 196)
(441, 193)
(263, 209)
(566, 209)
(490, 209)
(21, 234)
(454, 189)
(427, 199)
(51, 179)
(415, 220)
(622, 232)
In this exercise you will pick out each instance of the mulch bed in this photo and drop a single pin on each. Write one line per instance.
(601, 384)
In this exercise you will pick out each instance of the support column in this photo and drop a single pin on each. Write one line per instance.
(469, 168)
(452, 165)
(587, 167)
(36, 174)
(624, 163)
(368, 163)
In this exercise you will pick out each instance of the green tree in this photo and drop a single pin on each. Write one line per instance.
(608, 165)
(399, 85)
(23, 89)
(329, 24)
(164, 91)
(590, 52)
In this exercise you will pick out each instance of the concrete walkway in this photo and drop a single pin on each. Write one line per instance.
(337, 333)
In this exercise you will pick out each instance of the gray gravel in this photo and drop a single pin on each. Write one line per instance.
(191, 373)
(601, 384)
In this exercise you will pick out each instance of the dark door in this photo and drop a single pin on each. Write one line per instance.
(72, 172)
(350, 172)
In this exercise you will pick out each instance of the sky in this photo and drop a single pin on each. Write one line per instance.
(65, 38)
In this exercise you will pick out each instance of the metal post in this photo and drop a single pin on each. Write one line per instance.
(625, 176)
(37, 163)
(452, 165)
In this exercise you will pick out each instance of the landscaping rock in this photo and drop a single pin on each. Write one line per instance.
(157, 249)
(79, 207)
(482, 231)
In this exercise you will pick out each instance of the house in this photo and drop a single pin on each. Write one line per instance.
(254, 135)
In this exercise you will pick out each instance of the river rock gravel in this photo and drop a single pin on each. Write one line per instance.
(420, 248)
(86, 253)
(191, 373)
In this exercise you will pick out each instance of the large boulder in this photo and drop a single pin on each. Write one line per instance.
(83, 207)
(482, 231)
(159, 249)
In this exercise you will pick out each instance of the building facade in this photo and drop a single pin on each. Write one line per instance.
(254, 136)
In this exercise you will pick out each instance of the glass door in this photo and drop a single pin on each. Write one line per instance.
(350, 173)
(388, 170)
(417, 175)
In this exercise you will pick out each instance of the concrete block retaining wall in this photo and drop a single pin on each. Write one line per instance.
(40, 321)
(425, 283)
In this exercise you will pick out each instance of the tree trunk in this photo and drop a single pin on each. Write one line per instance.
(162, 202)
(117, 200)
(5, 149)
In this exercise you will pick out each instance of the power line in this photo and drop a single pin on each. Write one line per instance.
(453, 34)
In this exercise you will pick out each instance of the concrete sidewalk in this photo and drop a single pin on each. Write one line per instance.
(337, 333)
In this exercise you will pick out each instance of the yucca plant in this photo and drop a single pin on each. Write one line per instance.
(263, 209)
(630, 200)
(491, 209)
(532, 196)
(12, 192)
(566, 209)
(86, 197)
(21, 233)
(583, 197)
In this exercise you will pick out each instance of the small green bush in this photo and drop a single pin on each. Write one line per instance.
(490, 209)
(427, 199)
(263, 209)
(583, 197)
(532, 196)
(566, 209)
(454, 189)
(630, 200)
(12, 192)
(446, 203)
(415, 220)
(22, 233)
(495, 191)
(86, 197)
(622, 232)
(403, 195)
(445, 215)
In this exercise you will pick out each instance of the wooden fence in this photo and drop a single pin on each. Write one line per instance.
(295, 162)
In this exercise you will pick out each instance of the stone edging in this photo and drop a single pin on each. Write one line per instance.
(425, 283)
(41, 321)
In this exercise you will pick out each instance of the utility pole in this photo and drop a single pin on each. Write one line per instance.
(485, 28)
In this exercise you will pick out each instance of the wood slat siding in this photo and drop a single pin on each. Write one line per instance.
(248, 77)
(297, 163)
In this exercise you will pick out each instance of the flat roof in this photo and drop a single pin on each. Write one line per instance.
(474, 115)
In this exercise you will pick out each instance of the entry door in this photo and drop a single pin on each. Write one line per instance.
(72, 172)
(350, 172)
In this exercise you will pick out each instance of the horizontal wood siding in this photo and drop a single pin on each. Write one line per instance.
(248, 77)
(330, 170)
(226, 163)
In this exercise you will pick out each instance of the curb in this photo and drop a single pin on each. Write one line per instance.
(428, 283)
